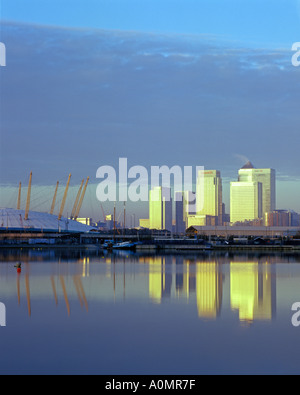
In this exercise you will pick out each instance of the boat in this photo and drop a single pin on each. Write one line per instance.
(126, 245)
(108, 244)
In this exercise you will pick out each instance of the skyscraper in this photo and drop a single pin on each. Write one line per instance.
(160, 208)
(209, 200)
(253, 195)
(267, 178)
(245, 201)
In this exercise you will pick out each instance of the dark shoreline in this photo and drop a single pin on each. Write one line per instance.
(91, 247)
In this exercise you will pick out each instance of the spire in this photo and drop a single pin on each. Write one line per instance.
(248, 165)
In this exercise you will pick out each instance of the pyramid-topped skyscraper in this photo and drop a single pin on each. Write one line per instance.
(248, 165)
(254, 194)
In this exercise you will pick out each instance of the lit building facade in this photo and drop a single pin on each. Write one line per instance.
(85, 221)
(209, 200)
(201, 220)
(144, 223)
(267, 177)
(160, 208)
(253, 195)
(245, 201)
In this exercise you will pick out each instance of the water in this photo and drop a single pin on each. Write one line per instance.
(93, 313)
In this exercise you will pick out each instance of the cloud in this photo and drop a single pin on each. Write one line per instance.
(74, 99)
(242, 158)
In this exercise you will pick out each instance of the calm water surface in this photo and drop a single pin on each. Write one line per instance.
(197, 313)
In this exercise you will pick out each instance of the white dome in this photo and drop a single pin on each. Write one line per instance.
(14, 219)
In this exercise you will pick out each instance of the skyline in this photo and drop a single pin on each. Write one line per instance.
(149, 189)
(97, 208)
(77, 96)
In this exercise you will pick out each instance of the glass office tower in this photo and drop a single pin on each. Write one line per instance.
(245, 201)
(160, 209)
(267, 177)
(209, 201)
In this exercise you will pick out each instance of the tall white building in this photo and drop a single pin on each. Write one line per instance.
(267, 177)
(209, 194)
(160, 209)
(253, 195)
(245, 201)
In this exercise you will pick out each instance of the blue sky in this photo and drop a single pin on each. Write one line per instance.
(259, 22)
(161, 82)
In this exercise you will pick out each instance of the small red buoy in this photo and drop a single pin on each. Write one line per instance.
(19, 270)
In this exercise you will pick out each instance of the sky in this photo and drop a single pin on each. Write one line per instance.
(263, 22)
(161, 82)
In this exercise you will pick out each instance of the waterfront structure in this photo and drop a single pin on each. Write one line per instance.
(109, 219)
(160, 208)
(294, 218)
(245, 201)
(201, 220)
(85, 221)
(267, 177)
(226, 217)
(244, 231)
(179, 213)
(18, 219)
(209, 200)
(12, 220)
(144, 223)
(282, 218)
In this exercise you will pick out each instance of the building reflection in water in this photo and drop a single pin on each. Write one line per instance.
(203, 279)
(209, 290)
(160, 282)
(85, 267)
(249, 286)
(186, 280)
(252, 286)
(252, 291)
